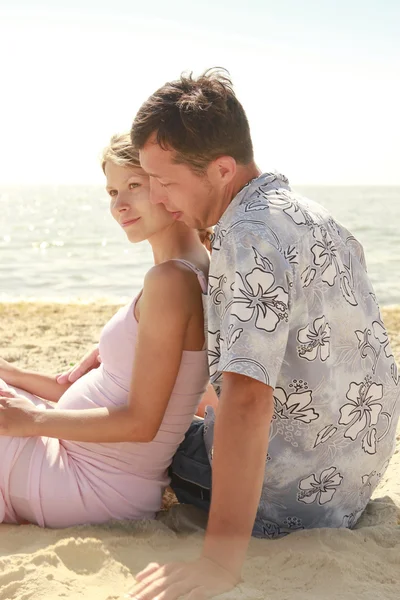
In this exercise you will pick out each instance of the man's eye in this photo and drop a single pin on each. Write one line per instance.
(164, 185)
(112, 193)
(132, 186)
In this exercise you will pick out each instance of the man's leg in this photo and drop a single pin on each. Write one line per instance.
(190, 471)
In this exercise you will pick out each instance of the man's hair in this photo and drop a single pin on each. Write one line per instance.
(199, 118)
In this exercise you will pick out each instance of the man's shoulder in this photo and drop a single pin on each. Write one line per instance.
(266, 214)
(268, 205)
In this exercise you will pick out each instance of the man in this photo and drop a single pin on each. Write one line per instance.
(307, 384)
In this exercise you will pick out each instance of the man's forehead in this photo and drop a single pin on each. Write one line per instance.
(155, 160)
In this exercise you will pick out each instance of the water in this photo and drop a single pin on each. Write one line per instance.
(60, 243)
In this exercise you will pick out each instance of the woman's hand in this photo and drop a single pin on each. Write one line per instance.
(17, 415)
(9, 372)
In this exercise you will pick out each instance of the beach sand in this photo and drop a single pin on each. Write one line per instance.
(99, 562)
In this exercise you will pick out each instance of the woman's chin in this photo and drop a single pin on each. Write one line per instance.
(135, 238)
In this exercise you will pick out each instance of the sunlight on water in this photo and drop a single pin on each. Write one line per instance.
(60, 243)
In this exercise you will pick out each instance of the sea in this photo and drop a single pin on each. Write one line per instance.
(59, 243)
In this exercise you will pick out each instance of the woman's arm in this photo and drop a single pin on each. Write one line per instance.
(44, 386)
(170, 295)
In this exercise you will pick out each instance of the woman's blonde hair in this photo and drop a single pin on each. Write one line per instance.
(121, 152)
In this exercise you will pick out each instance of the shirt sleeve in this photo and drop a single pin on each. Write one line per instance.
(255, 311)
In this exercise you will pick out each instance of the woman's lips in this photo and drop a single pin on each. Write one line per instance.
(130, 222)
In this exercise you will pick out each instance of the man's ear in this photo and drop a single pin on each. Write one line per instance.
(223, 170)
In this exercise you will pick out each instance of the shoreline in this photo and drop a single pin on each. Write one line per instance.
(51, 335)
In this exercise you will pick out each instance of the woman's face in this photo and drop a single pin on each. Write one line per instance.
(128, 188)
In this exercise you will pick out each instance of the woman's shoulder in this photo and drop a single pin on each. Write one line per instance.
(172, 279)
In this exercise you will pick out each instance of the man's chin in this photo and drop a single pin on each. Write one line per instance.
(190, 221)
(186, 220)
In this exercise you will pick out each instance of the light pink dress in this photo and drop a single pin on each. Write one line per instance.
(57, 483)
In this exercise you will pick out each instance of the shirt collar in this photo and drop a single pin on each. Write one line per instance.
(272, 180)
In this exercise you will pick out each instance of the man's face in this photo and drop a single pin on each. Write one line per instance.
(189, 197)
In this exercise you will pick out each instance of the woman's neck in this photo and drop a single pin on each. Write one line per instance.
(175, 241)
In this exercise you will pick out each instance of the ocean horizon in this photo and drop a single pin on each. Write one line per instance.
(60, 244)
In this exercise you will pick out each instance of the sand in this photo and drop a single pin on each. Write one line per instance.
(99, 562)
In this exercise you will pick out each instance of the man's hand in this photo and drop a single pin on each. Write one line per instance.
(90, 361)
(16, 415)
(195, 580)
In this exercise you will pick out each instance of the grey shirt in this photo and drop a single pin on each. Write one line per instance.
(291, 305)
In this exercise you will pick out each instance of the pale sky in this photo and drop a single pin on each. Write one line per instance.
(319, 81)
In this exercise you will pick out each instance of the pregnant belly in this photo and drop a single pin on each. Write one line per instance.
(93, 390)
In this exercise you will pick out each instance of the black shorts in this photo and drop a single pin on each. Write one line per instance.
(190, 471)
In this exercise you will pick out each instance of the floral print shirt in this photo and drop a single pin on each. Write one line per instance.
(291, 305)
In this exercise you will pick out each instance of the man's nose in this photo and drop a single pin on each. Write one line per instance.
(157, 193)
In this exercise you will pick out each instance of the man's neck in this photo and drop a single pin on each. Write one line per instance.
(244, 174)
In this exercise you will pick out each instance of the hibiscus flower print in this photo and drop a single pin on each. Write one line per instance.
(381, 335)
(283, 199)
(233, 335)
(350, 521)
(257, 203)
(362, 412)
(347, 287)
(216, 289)
(325, 255)
(294, 406)
(214, 352)
(274, 531)
(262, 261)
(256, 295)
(216, 238)
(365, 346)
(291, 254)
(320, 488)
(307, 276)
(314, 340)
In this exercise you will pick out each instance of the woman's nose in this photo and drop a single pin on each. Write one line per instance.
(119, 203)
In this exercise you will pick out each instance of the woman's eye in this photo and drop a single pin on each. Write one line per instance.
(112, 193)
(132, 186)
(164, 185)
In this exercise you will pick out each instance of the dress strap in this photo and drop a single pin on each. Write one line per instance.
(204, 286)
(200, 275)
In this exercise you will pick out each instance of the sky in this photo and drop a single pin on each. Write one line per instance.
(319, 80)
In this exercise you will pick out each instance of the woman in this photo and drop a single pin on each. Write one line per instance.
(103, 450)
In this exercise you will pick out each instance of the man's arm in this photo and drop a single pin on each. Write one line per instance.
(90, 361)
(241, 434)
(241, 437)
